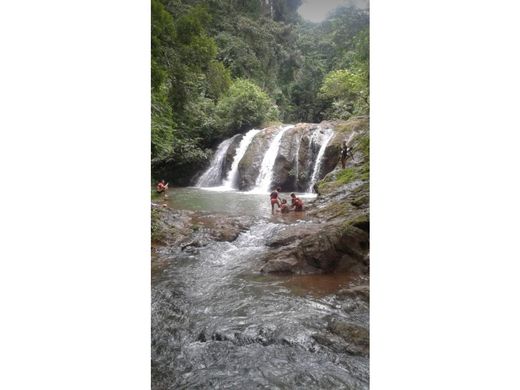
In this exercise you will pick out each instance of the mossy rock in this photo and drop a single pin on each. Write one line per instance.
(359, 169)
(360, 221)
(357, 123)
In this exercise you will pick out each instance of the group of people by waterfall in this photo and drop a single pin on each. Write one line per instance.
(283, 207)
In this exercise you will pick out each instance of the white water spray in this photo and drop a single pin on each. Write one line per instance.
(298, 162)
(229, 181)
(213, 175)
(326, 137)
(263, 181)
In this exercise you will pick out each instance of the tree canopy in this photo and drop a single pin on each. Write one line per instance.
(221, 67)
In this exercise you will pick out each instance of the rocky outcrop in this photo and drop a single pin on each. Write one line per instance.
(295, 161)
(343, 131)
(230, 154)
(183, 228)
(298, 152)
(249, 166)
(296, 158)
(337, 235)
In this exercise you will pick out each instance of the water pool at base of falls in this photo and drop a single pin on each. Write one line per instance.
(224, 201)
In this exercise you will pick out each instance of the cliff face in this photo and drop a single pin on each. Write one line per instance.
(230, 154)
(249, 166)
(306, 153)
(293, 165)
(337, 233)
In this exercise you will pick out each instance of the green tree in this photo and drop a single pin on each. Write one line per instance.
(162, 126)
(218, 79)
(245, 105)
(347, 91)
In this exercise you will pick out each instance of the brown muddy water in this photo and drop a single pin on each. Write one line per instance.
(217, 323)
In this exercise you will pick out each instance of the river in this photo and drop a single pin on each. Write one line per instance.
(219, 323)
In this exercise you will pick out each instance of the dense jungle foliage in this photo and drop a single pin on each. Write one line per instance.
(220, 67)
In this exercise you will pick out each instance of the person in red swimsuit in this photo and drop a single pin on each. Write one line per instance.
(275, 199)
(296, 202)
(162, 186)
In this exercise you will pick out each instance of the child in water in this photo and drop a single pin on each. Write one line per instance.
(284, 208)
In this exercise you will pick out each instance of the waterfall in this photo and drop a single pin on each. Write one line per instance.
(298, 163)
(317, 163)
(213, 175)
(263, 181)
(350, 137)
(229, 181)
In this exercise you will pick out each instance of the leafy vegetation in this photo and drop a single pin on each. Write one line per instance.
(245, 105)
(221, 67)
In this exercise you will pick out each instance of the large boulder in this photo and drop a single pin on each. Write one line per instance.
(317, 247)
(249, 166)
(184, 228)
(291, 168)
(230, 154)
(343, 131)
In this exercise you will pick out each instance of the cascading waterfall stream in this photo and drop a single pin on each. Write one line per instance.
(253, 145)
(327, 136)
(229, 181)
(298, 162)
(263, 181)
(213, 175)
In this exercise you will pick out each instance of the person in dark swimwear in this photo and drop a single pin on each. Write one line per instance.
(296, 202)
(275, 199)
(345, 152)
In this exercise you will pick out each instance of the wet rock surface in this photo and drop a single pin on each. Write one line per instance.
(336, 235)
(183, 230)
(230, 153)
(182, 227)
(249, 166)
(292, 167)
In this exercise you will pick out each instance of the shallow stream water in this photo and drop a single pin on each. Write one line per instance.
(217, 323)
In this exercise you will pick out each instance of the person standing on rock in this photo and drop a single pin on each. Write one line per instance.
(345, 151)
(275, 199)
